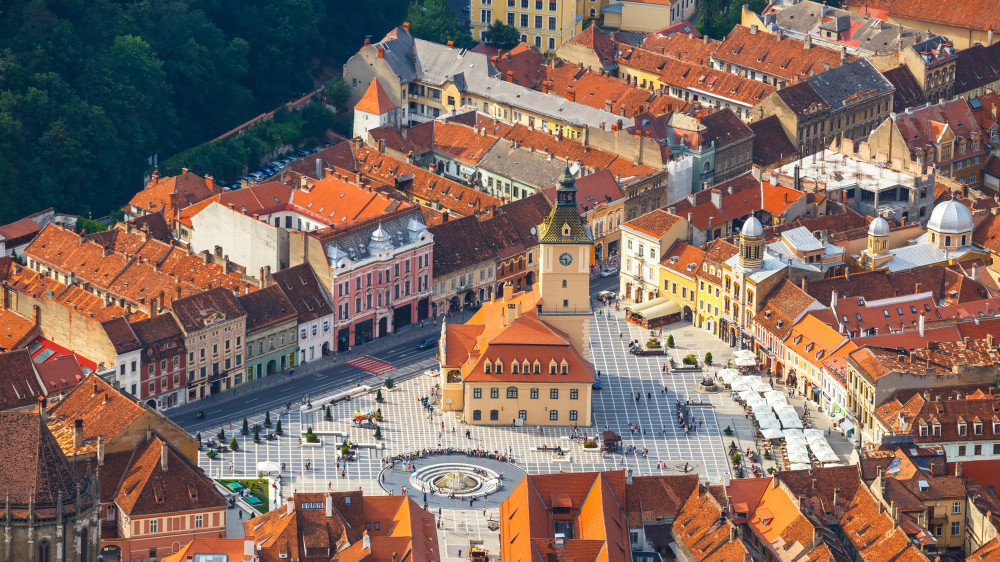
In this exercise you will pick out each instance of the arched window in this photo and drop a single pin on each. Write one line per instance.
(963, 240)
(44, 551)
(947, 240)
(564, 284)
(511, 392)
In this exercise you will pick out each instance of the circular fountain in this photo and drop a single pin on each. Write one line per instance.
(455, 480)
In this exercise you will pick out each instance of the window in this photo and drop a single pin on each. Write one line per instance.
(538, 22)
(153, 525)
(477, 415)
(956, 528)
(477, 393)
(572, 415)
(494, 393)
(534, 396)
(552, 23)
(151, 368)
(956, 507)
(574, 393)
(977, 450)
(524, 20)
(198, 521)
(996, 448)
(510, 21)
(553, 415)
(961, 450)
(554, 393)
(512, 392)
(486, 16)
(494, 415)
(487, 367)
(522, 414)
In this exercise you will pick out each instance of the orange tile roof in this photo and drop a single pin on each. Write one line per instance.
(15, 330)
(655, 223)
(980, 15)
(778, 56)
(104, 410)
(744, 199)
(603, 91)
(989, 552)
(596, 40)
(375, 100)
(702, 530)
(461, 142)
(872, 532)
(146, 489)
(778, 198)
(682, 47)
(233, 548)
(167, 195)
(22, 279)
(689, 259)
(813, 340)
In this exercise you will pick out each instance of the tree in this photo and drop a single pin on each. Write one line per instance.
(233, 444)
(434, 20)
(378, 432)
(378, 395)
(267, 418)
(390, 383)
(670, 340)
(329, 414)
(222, 435)
(277, 428)
(246, 427)
(198, 437)
(502, 35)
(708, 358)
(256, 434)
(345, 448)
(337, 92)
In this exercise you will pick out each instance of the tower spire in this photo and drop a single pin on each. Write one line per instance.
(566, 192)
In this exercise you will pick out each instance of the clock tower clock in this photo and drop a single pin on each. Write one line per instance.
(566, 244)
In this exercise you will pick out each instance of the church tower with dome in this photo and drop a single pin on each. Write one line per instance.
(751, 244)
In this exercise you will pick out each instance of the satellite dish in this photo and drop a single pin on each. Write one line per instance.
(533, 232)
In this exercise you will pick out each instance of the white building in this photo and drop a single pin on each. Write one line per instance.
(374, 110)
(316, 316)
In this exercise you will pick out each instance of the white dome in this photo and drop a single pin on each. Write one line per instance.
(752, 228)
(380, 241)
(878, 227)
(950, 217)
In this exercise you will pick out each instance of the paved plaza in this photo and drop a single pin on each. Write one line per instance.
(409, 427)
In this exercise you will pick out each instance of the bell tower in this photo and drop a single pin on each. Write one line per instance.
(565, 246)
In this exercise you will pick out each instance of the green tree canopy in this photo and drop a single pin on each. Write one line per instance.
(502, 36)
(434, 20)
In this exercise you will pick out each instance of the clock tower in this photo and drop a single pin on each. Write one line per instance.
(565, 246)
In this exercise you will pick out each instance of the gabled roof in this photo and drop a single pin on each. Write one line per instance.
(524, 65)
(105, 411)
(120, 334)
(739, 196)
(655, 223)
(167, 195)
(683, 258)
(725, 128)
(908, 91)
(15, 330)
(770, 144)
(593, 38)
(19, 230)
(375, 100)
(266, 307)
(145, 488)
(19, 383)
(979, 15)
(850, 84)
(300, 285)
(35, 471)
(775, 54)
(193, 312)
(978, 65)
(921, 127)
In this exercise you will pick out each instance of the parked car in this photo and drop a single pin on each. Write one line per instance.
(275, 165)
(257, 176)
(289, 159)
(428, 343)
(609, 272)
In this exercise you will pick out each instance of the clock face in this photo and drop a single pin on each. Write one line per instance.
(565, 259)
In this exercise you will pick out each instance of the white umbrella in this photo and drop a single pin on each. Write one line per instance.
(771, 433)
(744, 353)
(748, 395)
(728, 376)
(268, 466)
(760, 386)
(745, 361)
(740, 386)
(800, 466)
(775, 397)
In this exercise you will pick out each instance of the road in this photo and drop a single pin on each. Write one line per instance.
(276, 391)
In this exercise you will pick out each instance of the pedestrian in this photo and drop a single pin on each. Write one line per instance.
(241, 513)
(484, 511)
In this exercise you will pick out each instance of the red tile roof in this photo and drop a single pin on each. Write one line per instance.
(105, 411)
(922, 127)
(603, 91)
(168, 195)
(681, 46)
(593, 38)
(524, 65)
(744, 199)
(303, 289)
(19, 230)
(19, 382)
(655, 223)
(968, 14)
(375, 100)
(15, 330)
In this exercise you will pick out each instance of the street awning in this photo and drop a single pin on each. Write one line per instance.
(660, 310)
(645, 305)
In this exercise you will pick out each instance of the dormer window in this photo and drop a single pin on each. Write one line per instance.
(552, 367)
(566, 231)
(996, 426)
(499, 367)
(936, 430)
(565, 367)
(514, 368)
(963, 429)
(977, 428)
(923, 430)
(487, 367)
(537, 367)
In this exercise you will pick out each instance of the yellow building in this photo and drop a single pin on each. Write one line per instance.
(710, 285)
(647, 15)
(521, 358)
(679, 271)
(543, 23)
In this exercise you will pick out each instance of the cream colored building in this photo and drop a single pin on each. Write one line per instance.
(546, 24)
(647, 15)
(521, 358)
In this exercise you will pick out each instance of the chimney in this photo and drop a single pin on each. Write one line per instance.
(381, 52)
(808, 43)
(975, 272)
(406, 26)
(958, 470)
(451, 44)
(41, 409)
(100, 450)
(290, 505)
(77, 433)
(319, 168)
(570, 94)
(152, 307)
(628, 476)
(753, 29)
(163, 457)
(836, 496)
(920, 324)
(368, 40)
(38, 315)
(510, 75)
(210, 182)
(843, 53)
(329, 505)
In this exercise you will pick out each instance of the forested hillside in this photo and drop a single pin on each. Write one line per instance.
(91, 89)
